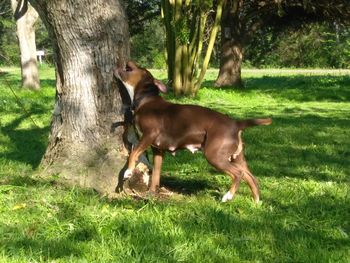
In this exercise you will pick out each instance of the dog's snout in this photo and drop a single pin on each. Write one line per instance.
(119, 69)
(130, 65)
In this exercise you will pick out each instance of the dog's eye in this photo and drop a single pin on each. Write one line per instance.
(128, 68)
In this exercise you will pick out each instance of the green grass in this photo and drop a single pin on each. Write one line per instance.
(301, 162)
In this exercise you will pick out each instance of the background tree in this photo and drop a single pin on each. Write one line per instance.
(25, 17)
(242, 19)
(185, 24)
(147, 36)
(310, 45)
(8, 50)
(140, 12)
(90, 37)
(147, 45)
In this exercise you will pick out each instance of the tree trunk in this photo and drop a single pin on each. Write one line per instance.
(231, 47)
(90, 37)
(210, 45)
(26, 16)
(230, 65)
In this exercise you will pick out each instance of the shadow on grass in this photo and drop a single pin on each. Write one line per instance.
(190, 231)
(3, 73)
(287, 232)
(27, 145)
(64, 246)
(308, 147)
(48, 83)
(48, 248)
(298, 88)
(13, 79)
(186, 186)
(193, 231)
(10, 80)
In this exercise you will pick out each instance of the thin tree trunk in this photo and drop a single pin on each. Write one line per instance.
(26, 16)
(210, 46)
(185, 23)
(231, 47)
(167, 14)
(90, 37)
(177, 78)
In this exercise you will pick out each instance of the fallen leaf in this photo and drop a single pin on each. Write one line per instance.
(19, 206)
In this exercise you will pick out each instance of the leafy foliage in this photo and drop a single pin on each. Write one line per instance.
(185, 25)
(290, 37)
(309, 45)
(147, 46)
(139, 13)
(9, 50)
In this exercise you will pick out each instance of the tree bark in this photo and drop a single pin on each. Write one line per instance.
(230, 65)
(231, 47)
(90, 37)
(26, 17)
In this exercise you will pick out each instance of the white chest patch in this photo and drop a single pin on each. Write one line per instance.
(130, 90)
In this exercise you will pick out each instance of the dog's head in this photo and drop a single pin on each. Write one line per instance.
(137, 79)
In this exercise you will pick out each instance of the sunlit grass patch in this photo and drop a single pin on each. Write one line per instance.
(301, 162)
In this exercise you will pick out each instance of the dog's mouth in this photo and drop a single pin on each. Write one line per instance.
(128, 68)
(120, 72)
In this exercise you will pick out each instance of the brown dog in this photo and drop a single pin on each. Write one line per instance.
(168, 127)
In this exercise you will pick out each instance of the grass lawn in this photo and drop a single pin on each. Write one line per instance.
(302, 162)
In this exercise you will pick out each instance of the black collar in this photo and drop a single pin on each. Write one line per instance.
(151, 91)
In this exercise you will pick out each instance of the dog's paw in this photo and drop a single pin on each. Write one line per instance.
(227, 197)
(127, 174)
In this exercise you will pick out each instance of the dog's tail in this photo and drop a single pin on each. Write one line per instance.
(253, 122)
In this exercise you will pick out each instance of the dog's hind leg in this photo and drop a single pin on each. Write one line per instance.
(222, 164)
(247, 176)
(253, 184)
(217, 153)
(236, 179)
(238, 172)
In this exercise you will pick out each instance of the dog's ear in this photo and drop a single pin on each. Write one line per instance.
(160, 85)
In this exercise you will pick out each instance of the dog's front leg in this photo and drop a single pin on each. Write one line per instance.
(135, 154)
(157, 165)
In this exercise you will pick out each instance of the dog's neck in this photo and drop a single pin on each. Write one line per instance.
(144, 95)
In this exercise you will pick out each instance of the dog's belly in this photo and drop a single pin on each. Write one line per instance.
(168, 143)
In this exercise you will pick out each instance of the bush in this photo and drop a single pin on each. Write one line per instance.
(312, 45)
(148, 46)
(9, 50)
